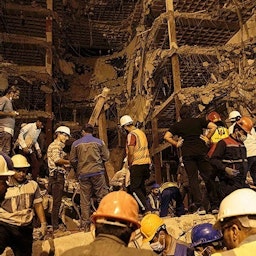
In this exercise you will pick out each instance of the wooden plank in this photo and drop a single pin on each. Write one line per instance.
(163, 106)
(27, 8)
(159, 148)
(102, 122)
(99, 104)
(157, 158)
(22, 39)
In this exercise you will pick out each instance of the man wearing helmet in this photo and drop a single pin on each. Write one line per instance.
(138, 160)
(220, 133)
(115, 220)
(229, 158)
(237, 221)
(155, 232)
(206, 240)
(22, 199)
(6, 167)
(56, 163)
(250, 144)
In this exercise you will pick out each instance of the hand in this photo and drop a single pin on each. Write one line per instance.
(39, 153)
(43, 228)
(231, 172)
(179, 142)
(13, 113)
(205, 139)
(26, 150)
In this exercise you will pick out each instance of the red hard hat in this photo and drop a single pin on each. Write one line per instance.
(213, 117)
(118, 206)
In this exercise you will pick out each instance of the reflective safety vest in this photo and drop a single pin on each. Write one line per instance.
(219, 134)
(141, 152)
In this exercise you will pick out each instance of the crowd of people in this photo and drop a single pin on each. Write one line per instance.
(220, 157)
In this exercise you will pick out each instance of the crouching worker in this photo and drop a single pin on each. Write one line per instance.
(115, 221)
(155, 232)
(206, 240)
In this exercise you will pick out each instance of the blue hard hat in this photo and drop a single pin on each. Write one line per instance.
(203, 234)
(155, 185)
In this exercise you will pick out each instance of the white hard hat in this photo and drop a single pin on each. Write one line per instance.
(3, 168)
(233, 115)
(20, 161)
(125, 120)
(240, 202)
(63, 129)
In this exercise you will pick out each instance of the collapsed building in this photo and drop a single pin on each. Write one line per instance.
(93, 61)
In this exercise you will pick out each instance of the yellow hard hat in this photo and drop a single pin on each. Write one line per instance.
(150, 225)
(20, 161)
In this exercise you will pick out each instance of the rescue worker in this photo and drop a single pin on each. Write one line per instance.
(88, 156)
(194, 155)
(28, 145)
(250, 144)
(57, 162)
(7, 117)
(233, 117)
(237, 221)
(5, 172)
(206, 240)
(153, 199)
(21, 202)
(138, 160)
(155, 232)
(220, 133)
(115, 220)
(170, 192)
(229, 158)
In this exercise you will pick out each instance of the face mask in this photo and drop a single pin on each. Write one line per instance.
(157, 246)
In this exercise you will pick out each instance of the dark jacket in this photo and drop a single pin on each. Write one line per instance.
(107, 245)
(88, 155)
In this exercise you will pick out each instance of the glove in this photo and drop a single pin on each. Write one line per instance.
(179, 142)
(231, 172)
(43, 228)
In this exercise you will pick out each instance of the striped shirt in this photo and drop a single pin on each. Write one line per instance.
(54, 154)
(17, 207)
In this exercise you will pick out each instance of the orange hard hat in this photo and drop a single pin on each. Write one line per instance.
(245, 123)
(119, 207)
(213, 117)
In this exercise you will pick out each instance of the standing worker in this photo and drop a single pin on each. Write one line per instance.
(138, 160)
(237, 221)
(229, 158)
(88, 155)
(7, 118)
(29, 146)
(250, 144)
(194, 155)
(56, 163)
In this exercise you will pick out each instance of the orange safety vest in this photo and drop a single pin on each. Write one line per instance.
(141, 152)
